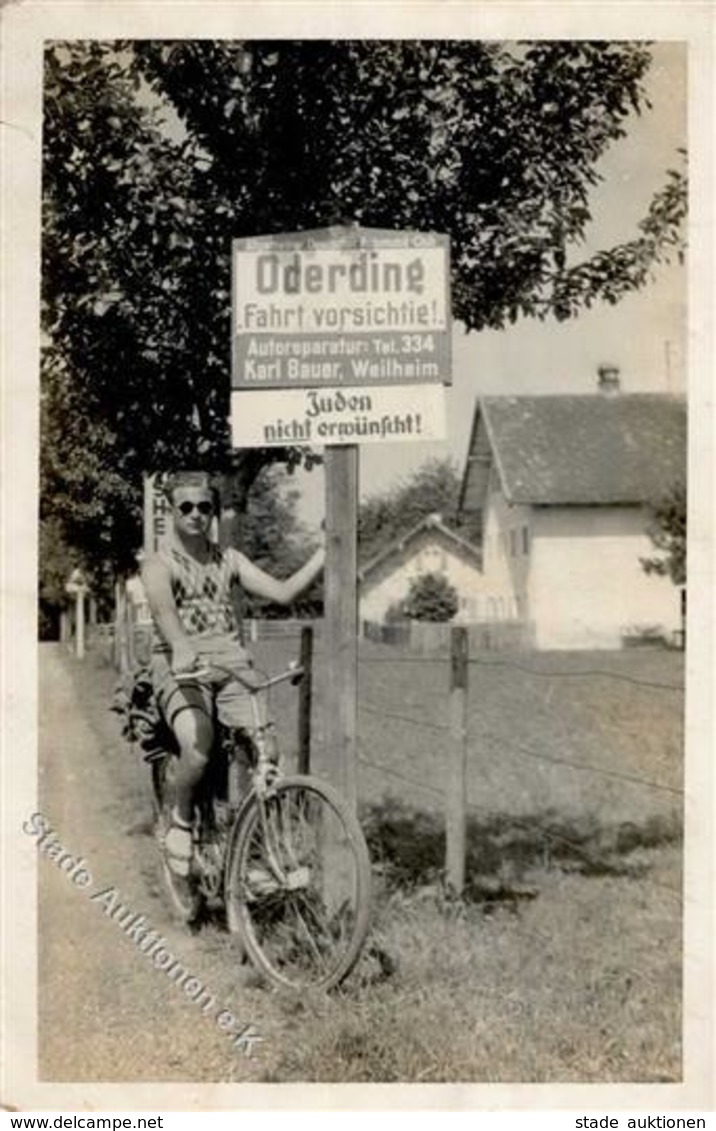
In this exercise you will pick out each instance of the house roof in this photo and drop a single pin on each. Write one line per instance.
(577, 450)
(431, 523)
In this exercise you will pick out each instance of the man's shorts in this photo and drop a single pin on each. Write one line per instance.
(216, 695)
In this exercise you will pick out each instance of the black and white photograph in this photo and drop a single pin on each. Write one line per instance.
(356, 678)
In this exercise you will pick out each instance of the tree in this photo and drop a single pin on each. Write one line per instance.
(134, 376)
(667, 530)
(157, 154)
(494, 144)
(433, 489)
(431, 597)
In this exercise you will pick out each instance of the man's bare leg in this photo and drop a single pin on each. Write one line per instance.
(195, 735)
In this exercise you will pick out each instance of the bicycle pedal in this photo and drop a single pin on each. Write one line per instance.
(261, 882)
(298, 878)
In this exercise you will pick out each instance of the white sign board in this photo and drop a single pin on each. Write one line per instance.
(341, 306)
(157, 514)
(327, 416)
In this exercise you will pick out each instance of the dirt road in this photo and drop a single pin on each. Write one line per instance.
(107, 1009)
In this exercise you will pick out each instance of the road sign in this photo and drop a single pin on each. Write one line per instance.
(341, 306)
(325, 417)
(78, 588)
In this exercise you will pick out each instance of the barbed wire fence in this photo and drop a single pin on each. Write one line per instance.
(441, 715)
(447, 718)
(455, 796)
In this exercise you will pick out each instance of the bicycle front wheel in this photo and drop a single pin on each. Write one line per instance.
(297, 885)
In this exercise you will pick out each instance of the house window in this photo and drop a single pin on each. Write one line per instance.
(525, 540)
(513, 543)
(434, 560)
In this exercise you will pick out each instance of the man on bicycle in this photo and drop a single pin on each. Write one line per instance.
(189, 586)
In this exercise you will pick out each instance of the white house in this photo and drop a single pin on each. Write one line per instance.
(563, 483)
(429, 547)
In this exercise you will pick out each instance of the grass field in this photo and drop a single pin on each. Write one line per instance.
(563, 962)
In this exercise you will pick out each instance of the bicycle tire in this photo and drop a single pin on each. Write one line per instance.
(307, 930)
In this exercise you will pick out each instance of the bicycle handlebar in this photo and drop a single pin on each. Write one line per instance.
(295, 674)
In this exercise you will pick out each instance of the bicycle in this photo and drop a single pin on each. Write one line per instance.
(289, 863)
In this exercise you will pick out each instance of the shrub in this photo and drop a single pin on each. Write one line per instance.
(431, 598)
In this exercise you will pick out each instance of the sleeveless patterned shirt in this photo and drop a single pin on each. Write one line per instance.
(202, 593)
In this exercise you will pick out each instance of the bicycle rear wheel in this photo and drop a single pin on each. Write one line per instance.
(297, 886)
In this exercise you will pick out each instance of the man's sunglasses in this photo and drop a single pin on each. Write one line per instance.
(202, 508)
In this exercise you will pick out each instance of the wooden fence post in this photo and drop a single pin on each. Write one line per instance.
(80, 624)
(121, 629)
(131, 639)
(305, 697)
(456, 795)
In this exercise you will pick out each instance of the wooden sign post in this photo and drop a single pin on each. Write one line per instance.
(341, 614)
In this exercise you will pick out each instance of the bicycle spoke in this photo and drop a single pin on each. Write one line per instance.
(287, 834)
(308, 934)
(308, 931)
(322, 925)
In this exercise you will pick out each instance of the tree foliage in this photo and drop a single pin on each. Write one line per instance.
(431, 597)
(496, 145)
(667, 530)
(433, 489)
(157, 154)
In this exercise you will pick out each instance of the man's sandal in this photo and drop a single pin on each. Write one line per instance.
(179, 846)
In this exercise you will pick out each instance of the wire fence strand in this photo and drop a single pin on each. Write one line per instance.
(597, 862)
(371, 709)
(542, 673)
(524, 751)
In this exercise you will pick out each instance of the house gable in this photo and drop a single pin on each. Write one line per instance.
(430, 547)
(431, 525)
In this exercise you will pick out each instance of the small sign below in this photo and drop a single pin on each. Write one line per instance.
(323, 417)
(76, 583)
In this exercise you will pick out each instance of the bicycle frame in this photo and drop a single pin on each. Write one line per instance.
(261, 727)
(265, 773)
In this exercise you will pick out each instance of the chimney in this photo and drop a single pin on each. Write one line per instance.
(609, 382)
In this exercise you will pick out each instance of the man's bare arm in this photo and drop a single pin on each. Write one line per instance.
(281, 592)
